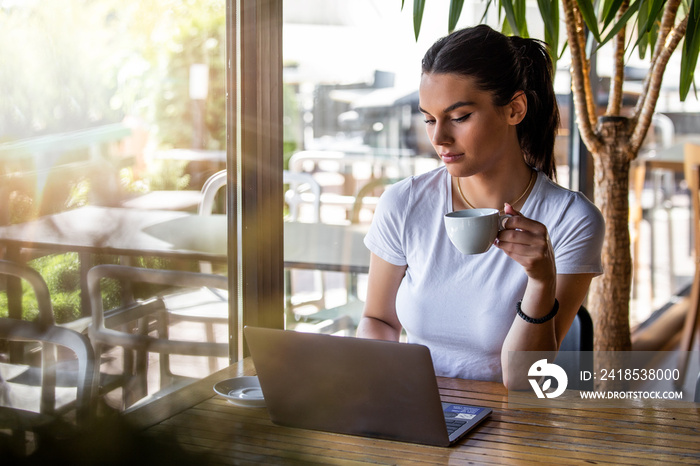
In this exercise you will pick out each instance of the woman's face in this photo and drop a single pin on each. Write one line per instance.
(468, 132)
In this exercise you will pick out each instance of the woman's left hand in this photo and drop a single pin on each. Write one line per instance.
(527, 242)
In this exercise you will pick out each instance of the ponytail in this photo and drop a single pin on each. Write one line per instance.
(538, 130)
(503, 66)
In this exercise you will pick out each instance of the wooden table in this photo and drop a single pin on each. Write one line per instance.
(204, 422)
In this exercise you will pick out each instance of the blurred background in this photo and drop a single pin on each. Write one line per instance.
(122, 103)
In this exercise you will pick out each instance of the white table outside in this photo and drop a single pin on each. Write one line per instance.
(131, 232)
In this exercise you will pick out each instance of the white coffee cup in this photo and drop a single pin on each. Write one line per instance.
(473, 231)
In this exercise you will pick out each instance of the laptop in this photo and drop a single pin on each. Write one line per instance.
(356, 386)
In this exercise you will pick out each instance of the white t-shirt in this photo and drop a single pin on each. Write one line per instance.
(462, 306)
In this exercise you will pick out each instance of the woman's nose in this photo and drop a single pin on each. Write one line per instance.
(441, 135)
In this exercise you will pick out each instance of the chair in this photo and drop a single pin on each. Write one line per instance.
(152, 315)
(575, 351)
(27, 408)
(36, 281)
(366, 192)
(299, 185)
(205, 305)
(41, 291)
(692, 321)
(309, 161)
(580, 334)
(209, 190)
(363, 194)
(43, 296)
(66, 369)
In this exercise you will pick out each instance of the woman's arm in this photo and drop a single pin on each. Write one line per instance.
(527, 242)
(379, 320)
(547, 336)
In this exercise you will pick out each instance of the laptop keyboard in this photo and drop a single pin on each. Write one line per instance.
(453, 423)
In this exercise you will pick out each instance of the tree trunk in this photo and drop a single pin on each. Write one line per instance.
(609, 294)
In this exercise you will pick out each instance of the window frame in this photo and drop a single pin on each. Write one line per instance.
(254, 159)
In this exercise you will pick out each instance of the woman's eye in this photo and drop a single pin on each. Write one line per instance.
(429, 122)
(461, 119)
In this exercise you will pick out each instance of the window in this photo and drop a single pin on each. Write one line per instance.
(113, 116)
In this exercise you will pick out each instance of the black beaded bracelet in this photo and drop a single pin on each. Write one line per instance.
(541, 320)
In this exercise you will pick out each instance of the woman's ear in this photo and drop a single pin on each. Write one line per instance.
(517, 108)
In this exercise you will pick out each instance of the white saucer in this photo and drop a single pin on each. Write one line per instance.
(242, 391)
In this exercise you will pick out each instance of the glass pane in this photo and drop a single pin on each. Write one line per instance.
(351, 75)
(112, 120)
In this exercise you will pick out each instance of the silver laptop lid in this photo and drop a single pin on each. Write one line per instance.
(349, 385)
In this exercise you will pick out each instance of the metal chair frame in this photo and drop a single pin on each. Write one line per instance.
(21, 421)
(146, 312)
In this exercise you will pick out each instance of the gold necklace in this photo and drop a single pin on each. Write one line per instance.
(529, 185)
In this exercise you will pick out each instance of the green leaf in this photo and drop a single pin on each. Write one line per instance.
(689, 57)
(589, 17)
(418, 7)
(621, 23)
(563, 49)
(654, 34)
(655, 12)
(506, 29)
(642, 19)
(610, 9)
(515, 15)
(648, 21)
(642, 46)
(486, 10)
(549, 10)
(520, 11)
(455, 12)
(510, 16)
(649, 14)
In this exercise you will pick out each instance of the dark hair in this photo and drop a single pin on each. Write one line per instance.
(503, 66)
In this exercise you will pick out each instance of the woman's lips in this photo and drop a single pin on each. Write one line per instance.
(450, 157)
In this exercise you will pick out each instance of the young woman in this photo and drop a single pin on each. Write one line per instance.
(492, 117)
